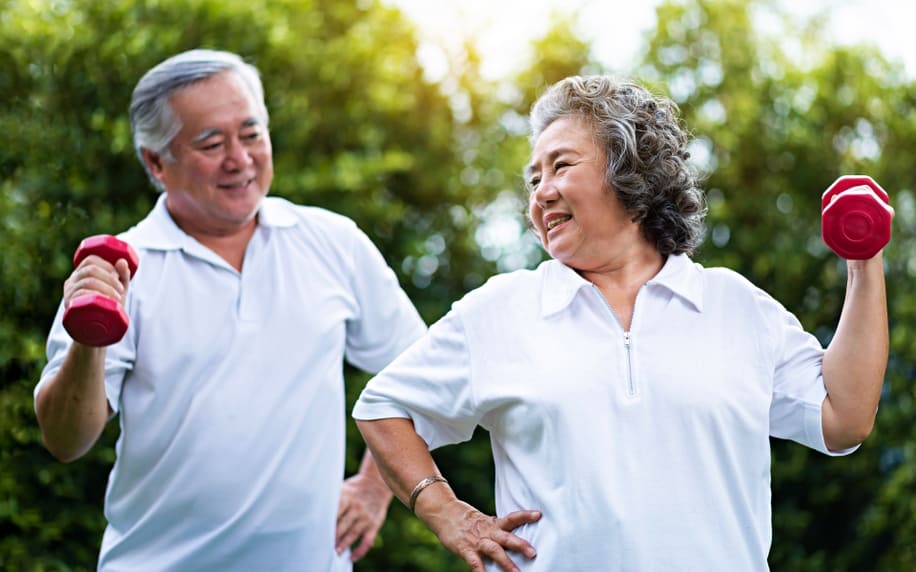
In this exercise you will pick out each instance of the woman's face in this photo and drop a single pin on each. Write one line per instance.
(578, 217)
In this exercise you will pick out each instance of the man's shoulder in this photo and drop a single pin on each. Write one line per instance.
(278, 211)
(316, 231)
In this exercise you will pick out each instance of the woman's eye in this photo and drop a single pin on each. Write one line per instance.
(559, 165)
(533, 182)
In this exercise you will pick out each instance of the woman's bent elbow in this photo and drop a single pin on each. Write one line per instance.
(849, 436)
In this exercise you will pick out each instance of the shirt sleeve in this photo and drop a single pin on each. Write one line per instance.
(119, 358)
(386, 322)
(798, 385)
(429, 384)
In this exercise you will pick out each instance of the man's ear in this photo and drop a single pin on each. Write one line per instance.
(153, 163)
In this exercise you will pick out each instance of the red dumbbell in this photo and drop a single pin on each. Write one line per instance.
(94, 319)
(856, 217)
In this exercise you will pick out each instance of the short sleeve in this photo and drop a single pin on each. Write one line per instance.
(430, 384)
(119, 358)
(386, 322)
(798, 383)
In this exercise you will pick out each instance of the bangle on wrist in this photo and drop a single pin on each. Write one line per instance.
(422, 485)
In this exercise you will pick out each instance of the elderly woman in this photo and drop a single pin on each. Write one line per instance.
(630, 393)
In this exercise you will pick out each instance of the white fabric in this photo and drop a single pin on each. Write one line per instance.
(650, 454)
(230, 391)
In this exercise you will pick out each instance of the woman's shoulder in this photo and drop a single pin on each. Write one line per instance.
(720, 276)
(505, 290)
(724, 285)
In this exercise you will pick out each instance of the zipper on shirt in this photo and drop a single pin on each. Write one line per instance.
(631, 382)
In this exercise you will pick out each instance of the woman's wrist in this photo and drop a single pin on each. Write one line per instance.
(421, 486)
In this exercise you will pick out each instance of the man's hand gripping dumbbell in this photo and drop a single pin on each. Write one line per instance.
(95, 291)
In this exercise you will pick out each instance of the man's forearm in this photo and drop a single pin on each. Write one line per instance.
(72, 408)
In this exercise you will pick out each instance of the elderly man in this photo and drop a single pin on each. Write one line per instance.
(228, 384)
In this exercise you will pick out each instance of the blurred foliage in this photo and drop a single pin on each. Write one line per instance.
(431, 171)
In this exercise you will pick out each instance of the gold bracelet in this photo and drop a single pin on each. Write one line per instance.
(422, 485)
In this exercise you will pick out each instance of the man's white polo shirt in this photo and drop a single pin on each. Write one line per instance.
(230, 391)
(646, 450)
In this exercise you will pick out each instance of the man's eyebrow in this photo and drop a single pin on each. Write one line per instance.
(213, 131)
(206, 134)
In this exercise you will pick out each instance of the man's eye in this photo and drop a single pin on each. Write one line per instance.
(559, 165)
(533, 182)
(211, 146)
(252, 136)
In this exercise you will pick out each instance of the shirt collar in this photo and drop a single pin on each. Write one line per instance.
(561, 283)
(683, 277)
(158, 231)
(277, 212)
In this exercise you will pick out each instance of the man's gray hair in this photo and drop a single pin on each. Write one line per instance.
(153, 122)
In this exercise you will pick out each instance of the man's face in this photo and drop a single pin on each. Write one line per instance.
(222, 164)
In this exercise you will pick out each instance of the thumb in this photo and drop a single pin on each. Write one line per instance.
(123, 270)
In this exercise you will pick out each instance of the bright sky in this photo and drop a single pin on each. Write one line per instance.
(615, 28)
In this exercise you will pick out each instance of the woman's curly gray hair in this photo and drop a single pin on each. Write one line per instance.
(646, 149)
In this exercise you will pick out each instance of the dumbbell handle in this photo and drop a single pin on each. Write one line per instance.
(856, 217)
(94, 319)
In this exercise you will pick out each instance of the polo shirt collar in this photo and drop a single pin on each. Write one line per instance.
(158, 231)
(561, 283)
(683, 277)
(277, 213)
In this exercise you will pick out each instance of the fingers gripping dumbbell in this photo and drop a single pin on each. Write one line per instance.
(856, 217)
(94, 319)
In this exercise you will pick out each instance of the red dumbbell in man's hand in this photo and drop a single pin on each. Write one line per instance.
(94, 319)
(856, 217)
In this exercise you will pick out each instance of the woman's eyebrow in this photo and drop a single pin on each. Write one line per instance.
(530, 169)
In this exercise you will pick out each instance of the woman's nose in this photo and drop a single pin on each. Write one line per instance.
(545, 192)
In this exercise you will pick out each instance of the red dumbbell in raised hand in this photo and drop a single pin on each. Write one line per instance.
(856, 217)
(94, 319)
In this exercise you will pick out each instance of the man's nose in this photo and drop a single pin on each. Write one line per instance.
(238, 156)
